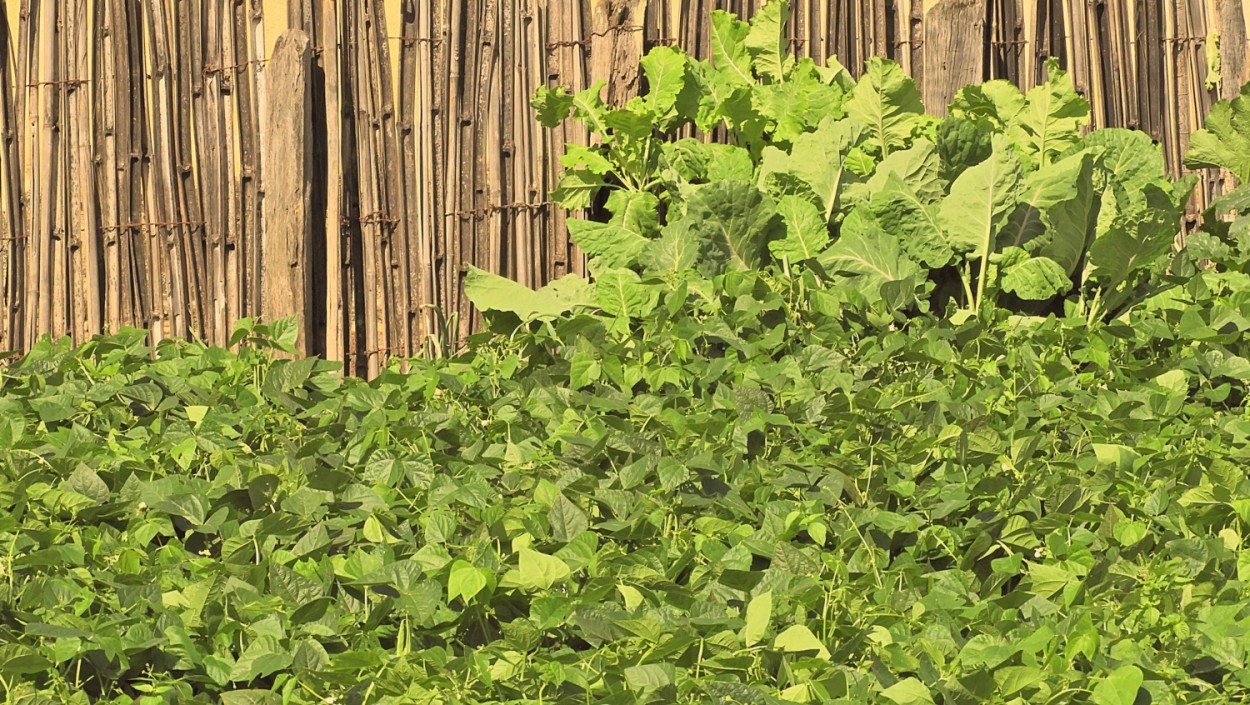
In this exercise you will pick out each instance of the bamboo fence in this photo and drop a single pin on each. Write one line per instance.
(148, 164)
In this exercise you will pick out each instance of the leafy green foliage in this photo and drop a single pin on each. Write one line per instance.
(1003, 203)
(746, 490)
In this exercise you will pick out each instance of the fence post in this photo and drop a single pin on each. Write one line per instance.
(286, 244)
(954, 42)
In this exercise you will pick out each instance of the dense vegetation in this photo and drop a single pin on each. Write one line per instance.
(862, 407)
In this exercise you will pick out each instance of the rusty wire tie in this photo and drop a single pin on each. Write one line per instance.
(139, 227)
(409, 40)
(1008, 42)
(237, 68)
(479, 213)
(1194, 38)
(617, 29)
(370, 353)
(64, 82)
(374, 218)
(14, 238)
(913, 43)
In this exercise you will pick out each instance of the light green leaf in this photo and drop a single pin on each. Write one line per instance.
(817, 159)
(1134, 230)
(1053, 115)
(766, 40)
(465, 581)
(665, 68)
(579, 156)
(729, 52)
(798, 638)
(733, 222)
(613, 245)
(807, 232)
(1036, 279)
(979, 202)
(675, 251)
(1046, 188)
(1224, 140)
(1118, 687)
(491, 292)
(577, 188)
(262, 657)
(870, 255)
(636, 211)
(917, 166)
(567, 519)
(552, 105)
(800, 101)
(886, 103)
(1120, 456)
(901, 211)
(1129, 533)
(620, 292)
(909, 691)
(993, 104)
(540, 571)
(759, 612)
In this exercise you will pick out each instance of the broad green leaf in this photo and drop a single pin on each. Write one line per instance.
(798, 638)
(870, 255)
(729, 52)
(636, 211)
(1036, 279)
(567, 519)
(994, 104)
(917, 166)
(465, 581)
(1114, 454)
(620, 292)
(552, 105)
(900, 210)
(581, 157)
(1119, 687)
(250, 697)
(733, 222)
(980, 201)
(491, 292)
(1125, 157)
(541, 571)
(577, 188)
(650, 677)
(766, 40)
(800, 101)
(613, 245)
(1134, 230)
(807, 232)
(1044, 189)
(886, 104)
(675, 251)
(1053, 115)
(1224, 140)
(961, 143)
(1130, 533)
(759, 613)
(262, 657)
(817, 159)
(665, 68)
(88, 483)
(909, 691)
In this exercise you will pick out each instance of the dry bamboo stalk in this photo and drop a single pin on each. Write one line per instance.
(236, 248)
(162, 202)
(327, 40)
(411, 201)
(49, 143)
(396, 275)
(244, 72)
(12, 246)
(206, 104)
(81, 202)
(193, 239)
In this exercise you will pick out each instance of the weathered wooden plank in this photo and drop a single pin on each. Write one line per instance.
(954, 38)
(286, 271)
